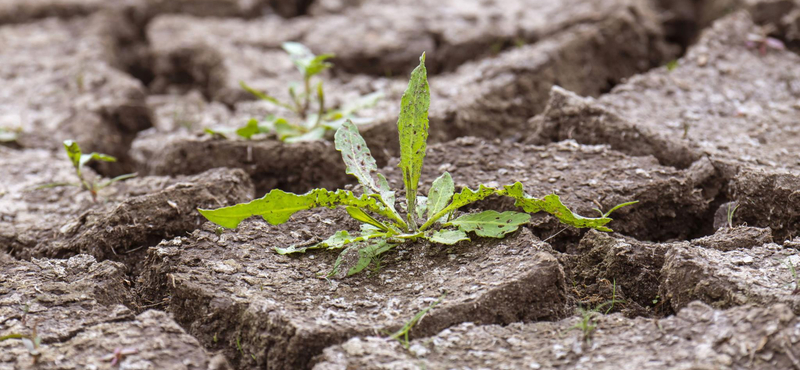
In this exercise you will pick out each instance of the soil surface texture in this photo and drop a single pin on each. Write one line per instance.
(690, 107)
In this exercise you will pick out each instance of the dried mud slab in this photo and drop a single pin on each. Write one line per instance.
(725, 98)
(81, 310)
(607, 265)
(671, 202)
(769, 199)
(699, 337)
(385, 37)
(59, 82)
(60, 222)
(725, 278)
(233, 289)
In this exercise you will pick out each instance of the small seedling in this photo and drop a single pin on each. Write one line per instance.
(312, 122)
(402, 334)
(384, 227)
(32, 342)
(78, 161)
(587, 325)
(732, 207)
(119, 354)
(672, 64)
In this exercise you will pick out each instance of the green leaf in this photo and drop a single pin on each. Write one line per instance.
(263, 96)
(338, 240)
(247, 131)
(356, 156)
(306, 62)
(448, 237)
(116, 179)
(385, 192)
(441, 192)
(73, 152)
(217, 132)
(422, 206)
(313, 135)
(368, 253)
(285, 129)
(278, 206)
(413, 128)
(618, 206)
(362, 216)
(463, 198)
(491, 223)
(8, 135)
(552, 205)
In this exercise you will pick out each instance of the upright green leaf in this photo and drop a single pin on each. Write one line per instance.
(277, 206)
(491, 223)
(448, 237)
(441, 192)
(304, 59)
(73, 152)
(356, 156)
(413, 128)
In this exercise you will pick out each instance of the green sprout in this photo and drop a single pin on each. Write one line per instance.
(32, 342)
(402, 334)
(79, 160)
(384, 226)
(587, 325)
(731, 210)
(312, 122)
(795, 280)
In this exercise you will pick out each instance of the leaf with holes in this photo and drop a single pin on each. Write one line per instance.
(413, 128)
(491, 223)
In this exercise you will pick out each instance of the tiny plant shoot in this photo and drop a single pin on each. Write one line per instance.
(384, 227)
(312, 121)
(79, 160)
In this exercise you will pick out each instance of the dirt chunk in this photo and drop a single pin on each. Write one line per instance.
(235, 288)
(730, 277)
(698, 337)
(607, 266)
(63, 221)
(725, 98)
(59, 82)
(82, 311)
(768, 199)
(216, 54)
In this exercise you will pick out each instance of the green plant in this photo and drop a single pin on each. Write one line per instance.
(384, 227)
(32, 342)
(587, 325)
(79, 160)
(731, 210)
(402, 334)
(312, 122)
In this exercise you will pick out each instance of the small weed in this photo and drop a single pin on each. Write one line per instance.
(402, 334)
(587, 325)
(763, 43)
(312, 122)
(378, 235)
(78, 161)
(32, 342)
(732, 207)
